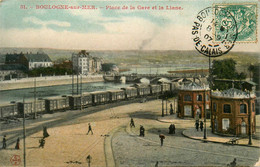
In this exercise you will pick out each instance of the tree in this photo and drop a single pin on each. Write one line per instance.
(254, 74)
(225, 69)
(251, 70)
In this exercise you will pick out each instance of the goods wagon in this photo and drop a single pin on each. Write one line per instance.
(116, 95)
(56, 103)
(155, 89)
(75, 101)
(8, 110)
(100, 97)
(130, 92)
(165, 87)
(142, 89)
(30, 107)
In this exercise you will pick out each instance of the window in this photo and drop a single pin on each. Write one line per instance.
(227, 108)
(214, 107)
(199, 97)
(242, 108)
(187, 98)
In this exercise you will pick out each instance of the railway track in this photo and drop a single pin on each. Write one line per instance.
(14, 134)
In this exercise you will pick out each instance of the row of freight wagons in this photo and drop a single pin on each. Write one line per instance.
(52, 104)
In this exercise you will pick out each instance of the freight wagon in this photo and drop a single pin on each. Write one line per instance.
(155, 89)
(8, 110)
(56, 103)
(116, 95)
(31, 107)
(143, 89)
(76, 102)
(100, 97)
(130, 92)
(165, 87)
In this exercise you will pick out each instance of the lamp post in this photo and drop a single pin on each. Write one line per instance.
(166, 105)
(205, 115)
(162, 108)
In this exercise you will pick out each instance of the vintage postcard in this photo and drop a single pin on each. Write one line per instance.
(121, 83)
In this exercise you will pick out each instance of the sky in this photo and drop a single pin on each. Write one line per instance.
(102, 28)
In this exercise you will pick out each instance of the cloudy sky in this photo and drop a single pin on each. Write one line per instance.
(102, 29)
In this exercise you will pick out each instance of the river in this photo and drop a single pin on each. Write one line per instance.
(43, 92)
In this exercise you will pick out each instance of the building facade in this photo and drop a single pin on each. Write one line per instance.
(231, 110)
(84, 63)
(193, 101)
(29, 60)
(10, 71)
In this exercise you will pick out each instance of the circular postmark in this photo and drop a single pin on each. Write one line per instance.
(15, 160)
(214, 31)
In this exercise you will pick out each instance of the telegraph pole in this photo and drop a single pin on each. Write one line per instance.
(249, 121)
(34, 107)
(24, 147)
(78, 74)
(72, 77)
(81, 100)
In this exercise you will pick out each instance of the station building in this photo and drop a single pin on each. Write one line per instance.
(193, 100)
(231, 110)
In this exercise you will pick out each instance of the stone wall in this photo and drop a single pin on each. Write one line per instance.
(46, 81)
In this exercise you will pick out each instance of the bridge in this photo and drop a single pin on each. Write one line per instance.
(138, 77)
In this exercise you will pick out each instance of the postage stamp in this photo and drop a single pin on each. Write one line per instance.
(246, 20)
(205, 27)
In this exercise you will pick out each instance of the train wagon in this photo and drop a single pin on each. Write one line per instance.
(75, 101)
(100, 97)
(130, 92)
(155, 89)
(30, 107)
(56, 103)
(116, 95)
(165, 87)
(174, 86)
(8, 110)
(143, 89)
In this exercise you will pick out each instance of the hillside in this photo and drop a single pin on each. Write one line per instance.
(143, 58)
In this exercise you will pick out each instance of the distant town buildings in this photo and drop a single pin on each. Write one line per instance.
(8, 72)
(194, 99)
(231, 111)
(84, 63)
(29, 60)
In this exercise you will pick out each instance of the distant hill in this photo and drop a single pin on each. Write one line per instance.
(143, 58)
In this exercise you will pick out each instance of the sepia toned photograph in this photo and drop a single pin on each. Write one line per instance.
(129, 83)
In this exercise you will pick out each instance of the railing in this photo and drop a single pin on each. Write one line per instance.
(233, 94)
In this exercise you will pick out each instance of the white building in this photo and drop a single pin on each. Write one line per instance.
(86, 64)
(30, 60)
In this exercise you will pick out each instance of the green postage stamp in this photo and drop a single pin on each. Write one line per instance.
(245, 16)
